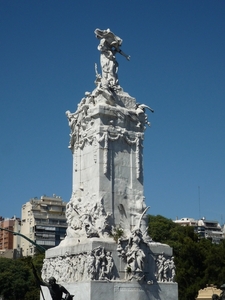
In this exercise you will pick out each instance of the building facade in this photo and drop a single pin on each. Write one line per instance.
(207, 292)
(9, 243)
(204, 228)
(211, 230)
(42, 221)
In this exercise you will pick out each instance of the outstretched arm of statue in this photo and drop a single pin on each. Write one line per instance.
(39, 281)
(68, 296)
(124, 54)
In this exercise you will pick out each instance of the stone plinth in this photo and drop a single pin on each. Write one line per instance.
(104, 259)
(101, 290)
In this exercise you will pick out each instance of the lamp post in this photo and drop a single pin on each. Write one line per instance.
(39, 247)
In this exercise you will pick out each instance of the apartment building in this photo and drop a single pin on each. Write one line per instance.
(211, 230)
(204, 228)
(9, 243)
(43, 221)
(187, 222)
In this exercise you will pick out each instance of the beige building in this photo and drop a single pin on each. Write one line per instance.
(43, 221)
(206, 293)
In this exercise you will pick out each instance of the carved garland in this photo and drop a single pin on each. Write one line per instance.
(114, 137)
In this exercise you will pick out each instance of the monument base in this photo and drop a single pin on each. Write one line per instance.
(97, 259)
(118, 290)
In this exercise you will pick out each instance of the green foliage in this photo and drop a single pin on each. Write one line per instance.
(117, 233)
(16, 279)
(198, 262)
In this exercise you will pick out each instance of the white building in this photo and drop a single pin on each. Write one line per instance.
(204, 228)
(210, 230)
(186, 222)
(43, 221)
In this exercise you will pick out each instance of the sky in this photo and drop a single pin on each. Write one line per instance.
(47, 54)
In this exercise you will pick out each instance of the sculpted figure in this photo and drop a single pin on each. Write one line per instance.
(99, 255)
(109, 45)
(135, 255)
(102, 274)
(87, 219)
(81, 267)
(74, 269)
(142, 116)
(165, 269)
(91, 265)
(72, 120)
(109, 266)
(56, 290)
(44, 268)
(160, 267)
(140, 108)
(166, 275)
(172, 268)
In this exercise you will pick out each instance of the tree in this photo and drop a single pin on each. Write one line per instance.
(16, 278)
(215, 264)
(198, 261)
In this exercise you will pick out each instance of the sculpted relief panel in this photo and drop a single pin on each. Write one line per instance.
(87, 219)
(97, 264)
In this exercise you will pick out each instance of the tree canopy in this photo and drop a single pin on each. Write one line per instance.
(16, 279)
(198, 261)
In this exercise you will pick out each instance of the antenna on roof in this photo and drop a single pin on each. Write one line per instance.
(199, 204)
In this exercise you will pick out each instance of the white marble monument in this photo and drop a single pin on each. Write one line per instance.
(107, 253)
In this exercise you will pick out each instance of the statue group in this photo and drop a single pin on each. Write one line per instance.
(106, 141)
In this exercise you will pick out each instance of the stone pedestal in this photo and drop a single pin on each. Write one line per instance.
(107, 252)
(118, 290)
(95, 268)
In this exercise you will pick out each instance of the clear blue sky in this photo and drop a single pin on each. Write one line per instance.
(47, 55)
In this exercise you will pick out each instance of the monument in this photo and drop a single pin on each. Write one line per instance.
(107, 253)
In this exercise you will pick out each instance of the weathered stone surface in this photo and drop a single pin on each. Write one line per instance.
(107, 252)
(117, 290)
